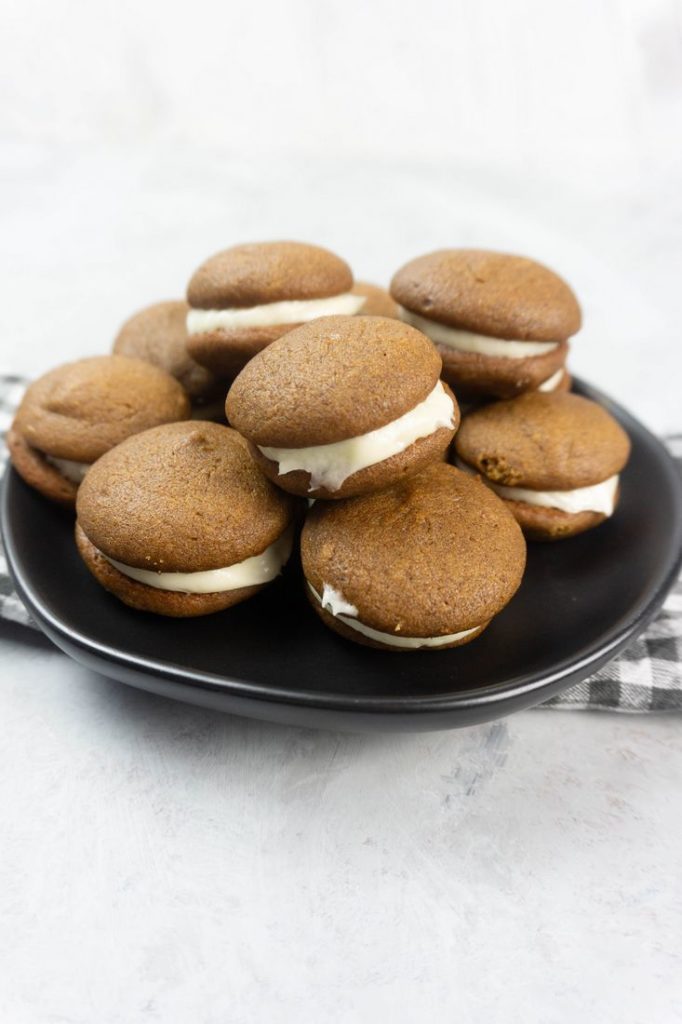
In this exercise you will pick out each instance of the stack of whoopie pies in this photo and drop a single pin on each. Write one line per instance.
(344, 394)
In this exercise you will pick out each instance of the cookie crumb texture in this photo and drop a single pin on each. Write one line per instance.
(543, 441)
(436, 554)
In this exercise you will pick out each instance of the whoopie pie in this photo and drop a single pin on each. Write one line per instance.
(500, 322)
(343, 406)
(180, 521)
(424, 564)
(245, 297)
(74, 414)
(377, 301)
(158, 334)
(555, 459)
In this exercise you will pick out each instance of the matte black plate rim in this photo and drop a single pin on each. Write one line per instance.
(515, 687)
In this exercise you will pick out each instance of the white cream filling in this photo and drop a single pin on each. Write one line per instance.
(595, 498)
(252, 572)
(73, 471)
(330, 464)
(296, 311)
(467, 341)
(552, 382)
(335, 603)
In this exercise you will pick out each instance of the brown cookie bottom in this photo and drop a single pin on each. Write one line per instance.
(471, 374)
(547, 524)
(348, 633)
(38, 473)
(422, 453)
(226, 352)
(468, 405)
(149, 599)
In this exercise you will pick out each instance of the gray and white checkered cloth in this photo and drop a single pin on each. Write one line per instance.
(645, 677)
(11, 390)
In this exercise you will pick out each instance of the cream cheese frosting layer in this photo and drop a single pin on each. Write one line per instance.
(599, 497)
(334, 602)
(552, 383)
(73, 471)
(252, 572)
(330, 465)
(200, 321)
(467, 341)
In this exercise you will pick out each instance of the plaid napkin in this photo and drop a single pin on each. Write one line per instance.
(645, 677)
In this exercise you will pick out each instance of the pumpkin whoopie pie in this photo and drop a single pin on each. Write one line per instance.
(245, 297)
(180, 521)
(500, 322)
(74, 414)
(554, 459)
(378, 301)
(158, 334)
(426, 563)
(343, 406)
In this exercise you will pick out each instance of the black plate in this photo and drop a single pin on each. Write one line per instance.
(580, 603)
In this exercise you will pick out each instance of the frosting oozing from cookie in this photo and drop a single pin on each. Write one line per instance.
(334, 602)
(295, 311)
(329, 465)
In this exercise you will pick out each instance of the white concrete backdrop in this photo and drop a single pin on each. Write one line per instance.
(137, 138)
(159, 863)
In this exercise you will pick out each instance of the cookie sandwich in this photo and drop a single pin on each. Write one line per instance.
(179, 521)
(343, 406)
(555, 460)
(501, 323)
(425, 564)
(74, 414)
(158, 335)
(245, 297)
(377, 301)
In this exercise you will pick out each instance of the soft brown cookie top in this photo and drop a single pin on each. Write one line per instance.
(185, 497)
(332, 379)
(80, 410)
(556, 441)
(437, 553)
(262, 272)
(489, 293)
(378, 302)
(158, 334)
